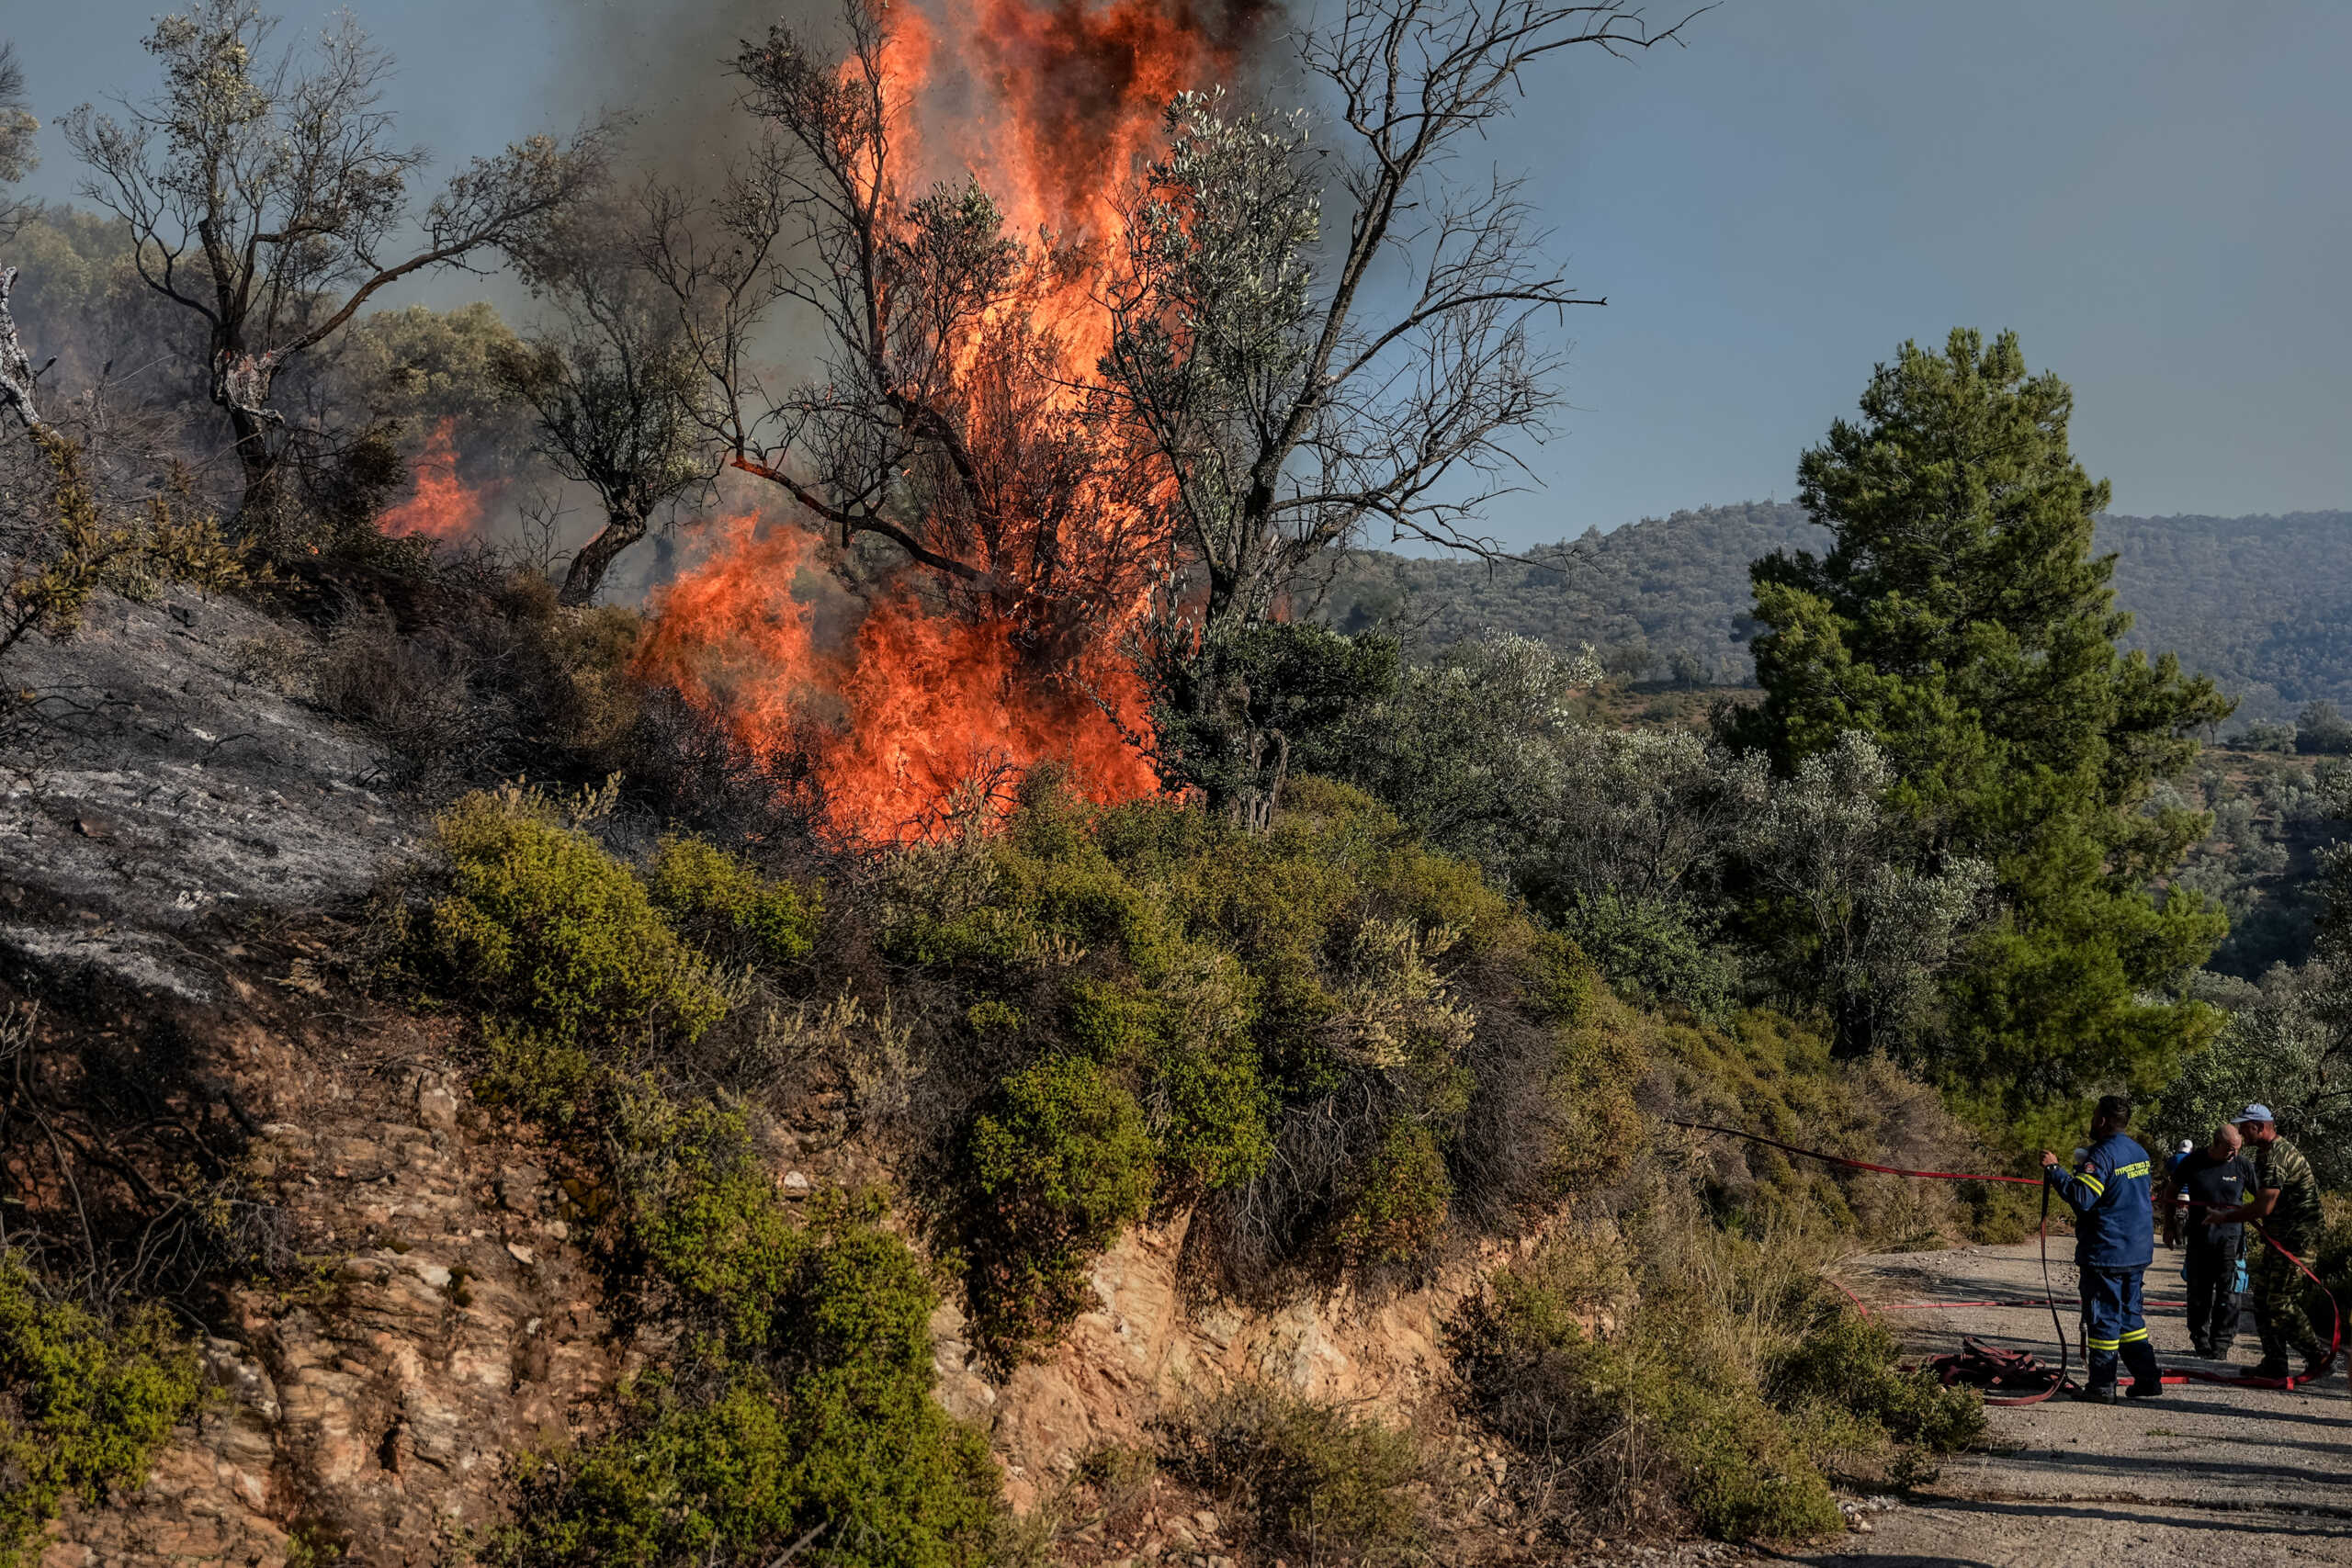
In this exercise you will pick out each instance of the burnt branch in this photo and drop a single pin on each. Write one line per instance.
(17, 374)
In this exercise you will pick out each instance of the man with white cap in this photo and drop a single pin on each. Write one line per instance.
(2284, 1199)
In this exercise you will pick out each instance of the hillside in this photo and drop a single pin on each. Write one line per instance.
(2261, 602)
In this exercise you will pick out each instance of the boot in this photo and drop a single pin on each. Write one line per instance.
(2147, 1378)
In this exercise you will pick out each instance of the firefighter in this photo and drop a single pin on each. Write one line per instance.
(2115, 1240)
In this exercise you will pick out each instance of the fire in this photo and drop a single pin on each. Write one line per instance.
(444, 507)
(915, 705)
(1051, 106)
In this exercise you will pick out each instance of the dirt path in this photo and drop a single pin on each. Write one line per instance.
(2204, 1475)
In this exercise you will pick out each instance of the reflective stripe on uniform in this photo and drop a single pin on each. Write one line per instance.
(2134, 1333)
(2107, 1344)
(2093, 1182)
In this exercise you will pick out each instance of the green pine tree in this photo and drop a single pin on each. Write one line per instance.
(1961, 622)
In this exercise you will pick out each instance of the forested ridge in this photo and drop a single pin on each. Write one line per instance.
(2262, 604)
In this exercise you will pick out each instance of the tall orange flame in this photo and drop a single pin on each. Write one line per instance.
(1051, 106)
(444, 507)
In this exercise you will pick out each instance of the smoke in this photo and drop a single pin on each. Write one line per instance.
(1080, 63)
(667, 66)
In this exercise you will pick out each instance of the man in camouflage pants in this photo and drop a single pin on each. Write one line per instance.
(2285, 1202)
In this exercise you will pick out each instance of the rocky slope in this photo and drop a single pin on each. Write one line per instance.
(186, 848)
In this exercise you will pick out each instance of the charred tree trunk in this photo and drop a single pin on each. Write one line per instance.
(258, 463)
(586, 576)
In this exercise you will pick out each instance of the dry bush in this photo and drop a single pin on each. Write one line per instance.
(1303, 1480)
(1662, 1371)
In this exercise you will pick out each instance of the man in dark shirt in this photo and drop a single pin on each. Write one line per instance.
(2210, 1181)
(2284, 1200)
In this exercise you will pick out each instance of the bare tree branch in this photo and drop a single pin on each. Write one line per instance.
(1294, 408)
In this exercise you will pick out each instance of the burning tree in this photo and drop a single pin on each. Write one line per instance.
(269, 199)
(953, 416)
(944, 420)
(1119, 358)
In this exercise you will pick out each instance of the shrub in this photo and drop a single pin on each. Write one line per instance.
(700, 1213)
(1728, 1384)
(1311, 1020)
(1212, 1117)
(1059, 1164)
(1762, 1072)
(1313, 1484)
(85, 1407)
(1403, 1199)
(832, 1441)
(1682, 1429)
(722, 902)
(559, 933)
(1849, 1366)
(50, 590)
(1654, 948)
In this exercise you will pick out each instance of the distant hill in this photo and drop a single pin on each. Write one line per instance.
(2264, 604)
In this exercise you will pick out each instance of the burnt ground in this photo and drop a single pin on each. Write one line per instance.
(157, 781)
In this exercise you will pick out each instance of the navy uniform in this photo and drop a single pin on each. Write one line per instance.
(2115, 1240)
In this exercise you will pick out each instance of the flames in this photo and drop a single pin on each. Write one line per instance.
(1050, 105)
(912, 707)
(444, 507)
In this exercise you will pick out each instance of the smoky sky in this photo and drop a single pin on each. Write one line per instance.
(2150, 192)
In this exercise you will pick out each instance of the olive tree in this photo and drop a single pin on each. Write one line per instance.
(266, 195)
(612, 384)
(1317, 335)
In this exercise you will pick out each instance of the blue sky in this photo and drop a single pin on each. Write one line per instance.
(2153, 194)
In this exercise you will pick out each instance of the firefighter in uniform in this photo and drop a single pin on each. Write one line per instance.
(2115, 1240)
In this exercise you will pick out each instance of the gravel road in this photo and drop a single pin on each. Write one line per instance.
(2206, 1475)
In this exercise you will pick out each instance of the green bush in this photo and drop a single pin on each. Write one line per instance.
(833, 1438)
(1214, 1130)
(807, 1415)
(1731, 1382)
(1657, 950)
(83, 1407)
(1310, 1484)
(1060, 1162)
(1328, 988)
(550, 1079)
(557, 932)
(1850, 1366)
(1403, 1199)
(699, 1212)
(725, 904)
